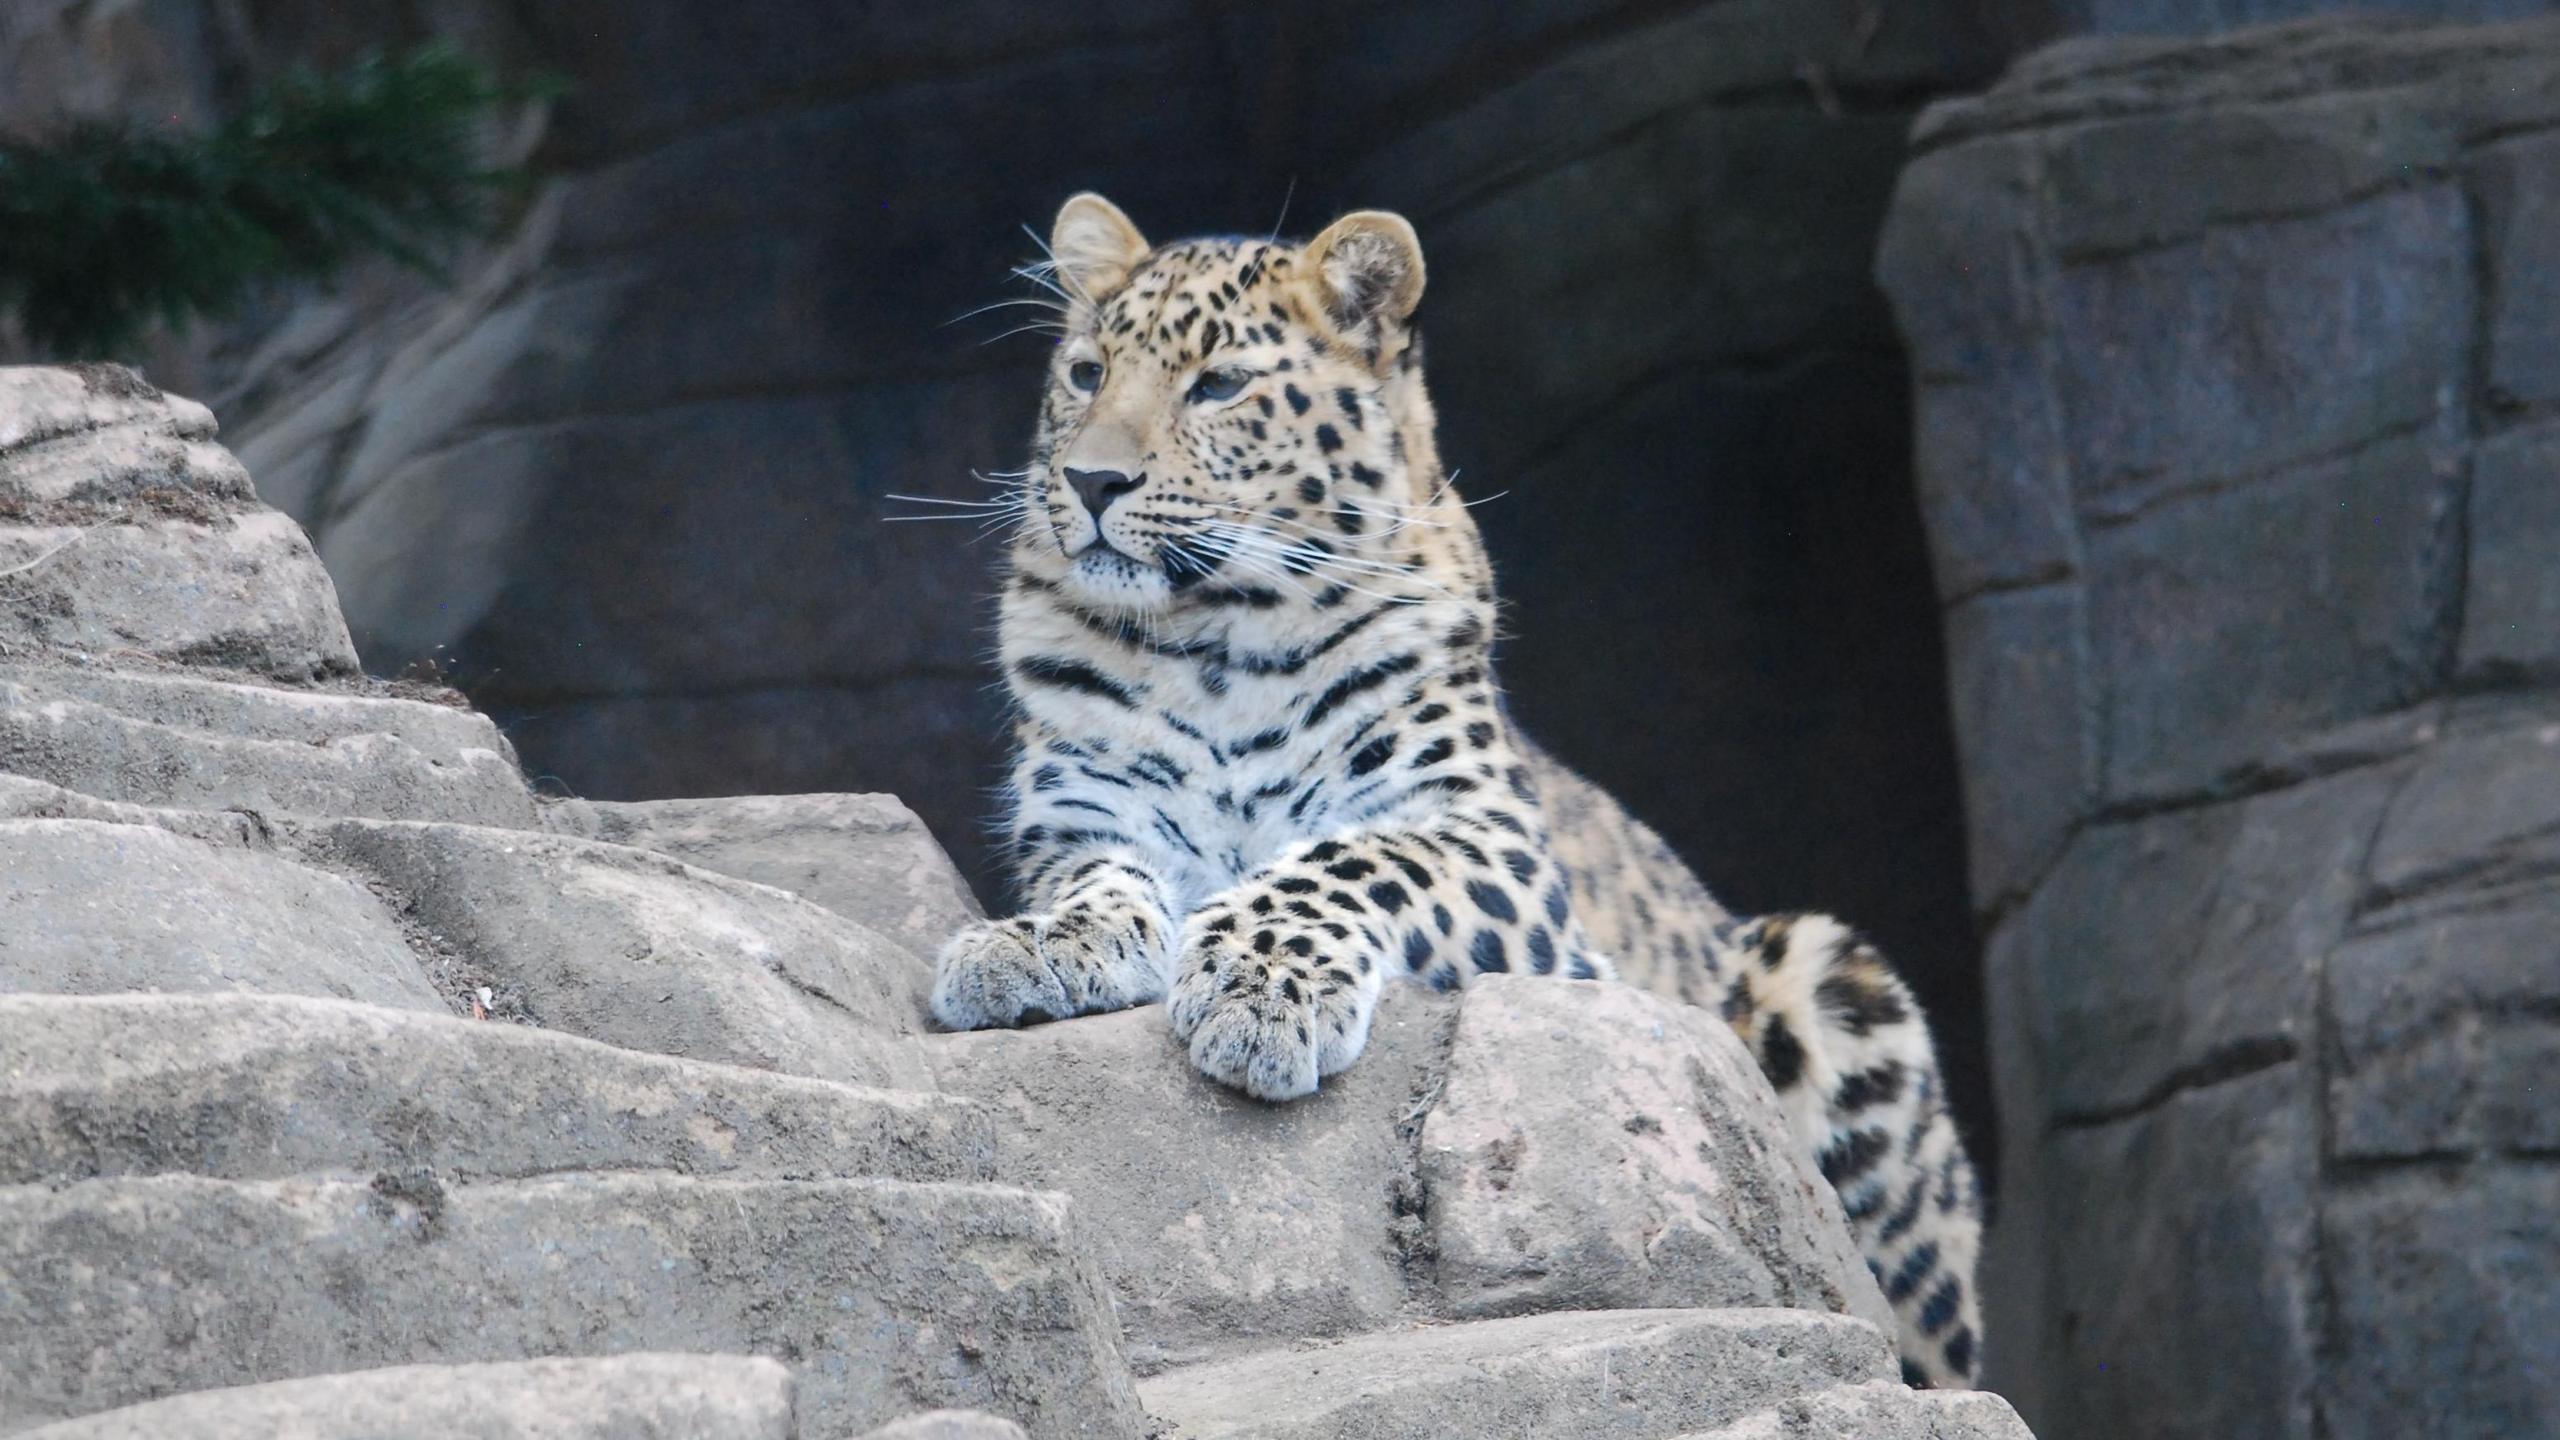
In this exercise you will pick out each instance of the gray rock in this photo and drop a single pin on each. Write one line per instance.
(200, 743)
(2445, 1289)
(93, 437)
(623, 1397)
(641, 951)
(2479, 809)
(88, 907)
(1594, 1146)
(2511, 614)
(1961, 257)
(266, 1087)
(240, 591)
(2236, 905)
(1880, 1412)
(2445, 1035)
(948, 1425)
(895, 1296)
(2518, 183)
(1592, 1374)
(1217, 1219)
(2181, 1245)
(2338, 567)
(866, 857)
(2019, 685)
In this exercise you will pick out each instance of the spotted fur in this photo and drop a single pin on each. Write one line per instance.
(1264, 765)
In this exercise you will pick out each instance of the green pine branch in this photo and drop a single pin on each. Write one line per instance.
(105, 227)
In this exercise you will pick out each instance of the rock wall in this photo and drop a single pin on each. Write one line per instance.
(348, 1087)
(627, 481)
(2239, 441)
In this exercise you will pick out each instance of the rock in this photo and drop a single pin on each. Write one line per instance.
(2446, 1039)
(866, 857)
(2511, 621)
(2444, 1281)
(2019, 683)
(948, 1425)
(1880, 1412)
(2337, 568)
(624, 1397)
(93, 908)
(1593, 1374)
(895, 1296)
(239, 591)
(1217, 1219)
(2479, 809)
(1563, 1173)
(638, 950)
(98, 436)
(267, 1087)
(201, 743)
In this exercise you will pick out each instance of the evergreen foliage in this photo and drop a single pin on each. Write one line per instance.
(106, 226)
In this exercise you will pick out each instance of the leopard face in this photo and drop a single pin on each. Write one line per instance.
(1223, 423)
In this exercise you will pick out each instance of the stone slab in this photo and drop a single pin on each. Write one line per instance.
(1880, 1412)
(890, 1297)
(88, 907)
(1216, 1217)
(2511, 593)
(1597, 1147)
(948, 1425)
(181, 741)
(245, 592)
(642, 951)
(266, 1087)
(2481, 808)
(2020, 690)
(2446, 1033)
(1593, 1374)
(622, 1397)
(866, 857)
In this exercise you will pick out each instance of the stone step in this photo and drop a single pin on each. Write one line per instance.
(1528, 1144)
(866, 857)
(641, 951)
(266, 1087)
(211, 744)
(1888, 1411)
(92, 906)
(1591, 1374)
(948, 1425)
(890, 1296)
(621, 1397)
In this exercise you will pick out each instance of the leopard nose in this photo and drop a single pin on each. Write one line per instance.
(1098, 488)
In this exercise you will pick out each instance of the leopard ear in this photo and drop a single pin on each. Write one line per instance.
(1094, 244)
(1368, 266)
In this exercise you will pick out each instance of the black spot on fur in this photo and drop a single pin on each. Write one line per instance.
(1491, 900)
(1372, 755)
(1389, 896)
(1781, 1055)
(1487, 952)
(1860, 1003)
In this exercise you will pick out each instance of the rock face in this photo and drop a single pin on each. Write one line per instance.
(346, 1088)
(2238, 449)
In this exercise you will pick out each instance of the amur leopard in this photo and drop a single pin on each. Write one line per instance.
(1264, 765)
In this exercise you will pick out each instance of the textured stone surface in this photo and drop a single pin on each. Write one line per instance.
(2285, 297)
(635, 949)
(1216, 1218)
(91, 908)
(1879, 1412)
(244, 591)
(624, 1397)
(1566, 1175)
(201, 743)
(899, 1297)
(866, 857)
(948, 1425)
(2445, 1282)
(1607, 1373)
(263, 1087)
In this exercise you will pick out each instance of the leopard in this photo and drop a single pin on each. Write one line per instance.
(1262, 764)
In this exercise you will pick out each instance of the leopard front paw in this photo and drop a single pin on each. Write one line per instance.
(1049, 966)
(992, 975)
(1265, 1012)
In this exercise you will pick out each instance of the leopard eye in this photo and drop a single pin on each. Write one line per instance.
(1085, 375)
(1222, 383)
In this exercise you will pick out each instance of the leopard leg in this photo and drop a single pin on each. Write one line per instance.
(1844, 1043)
